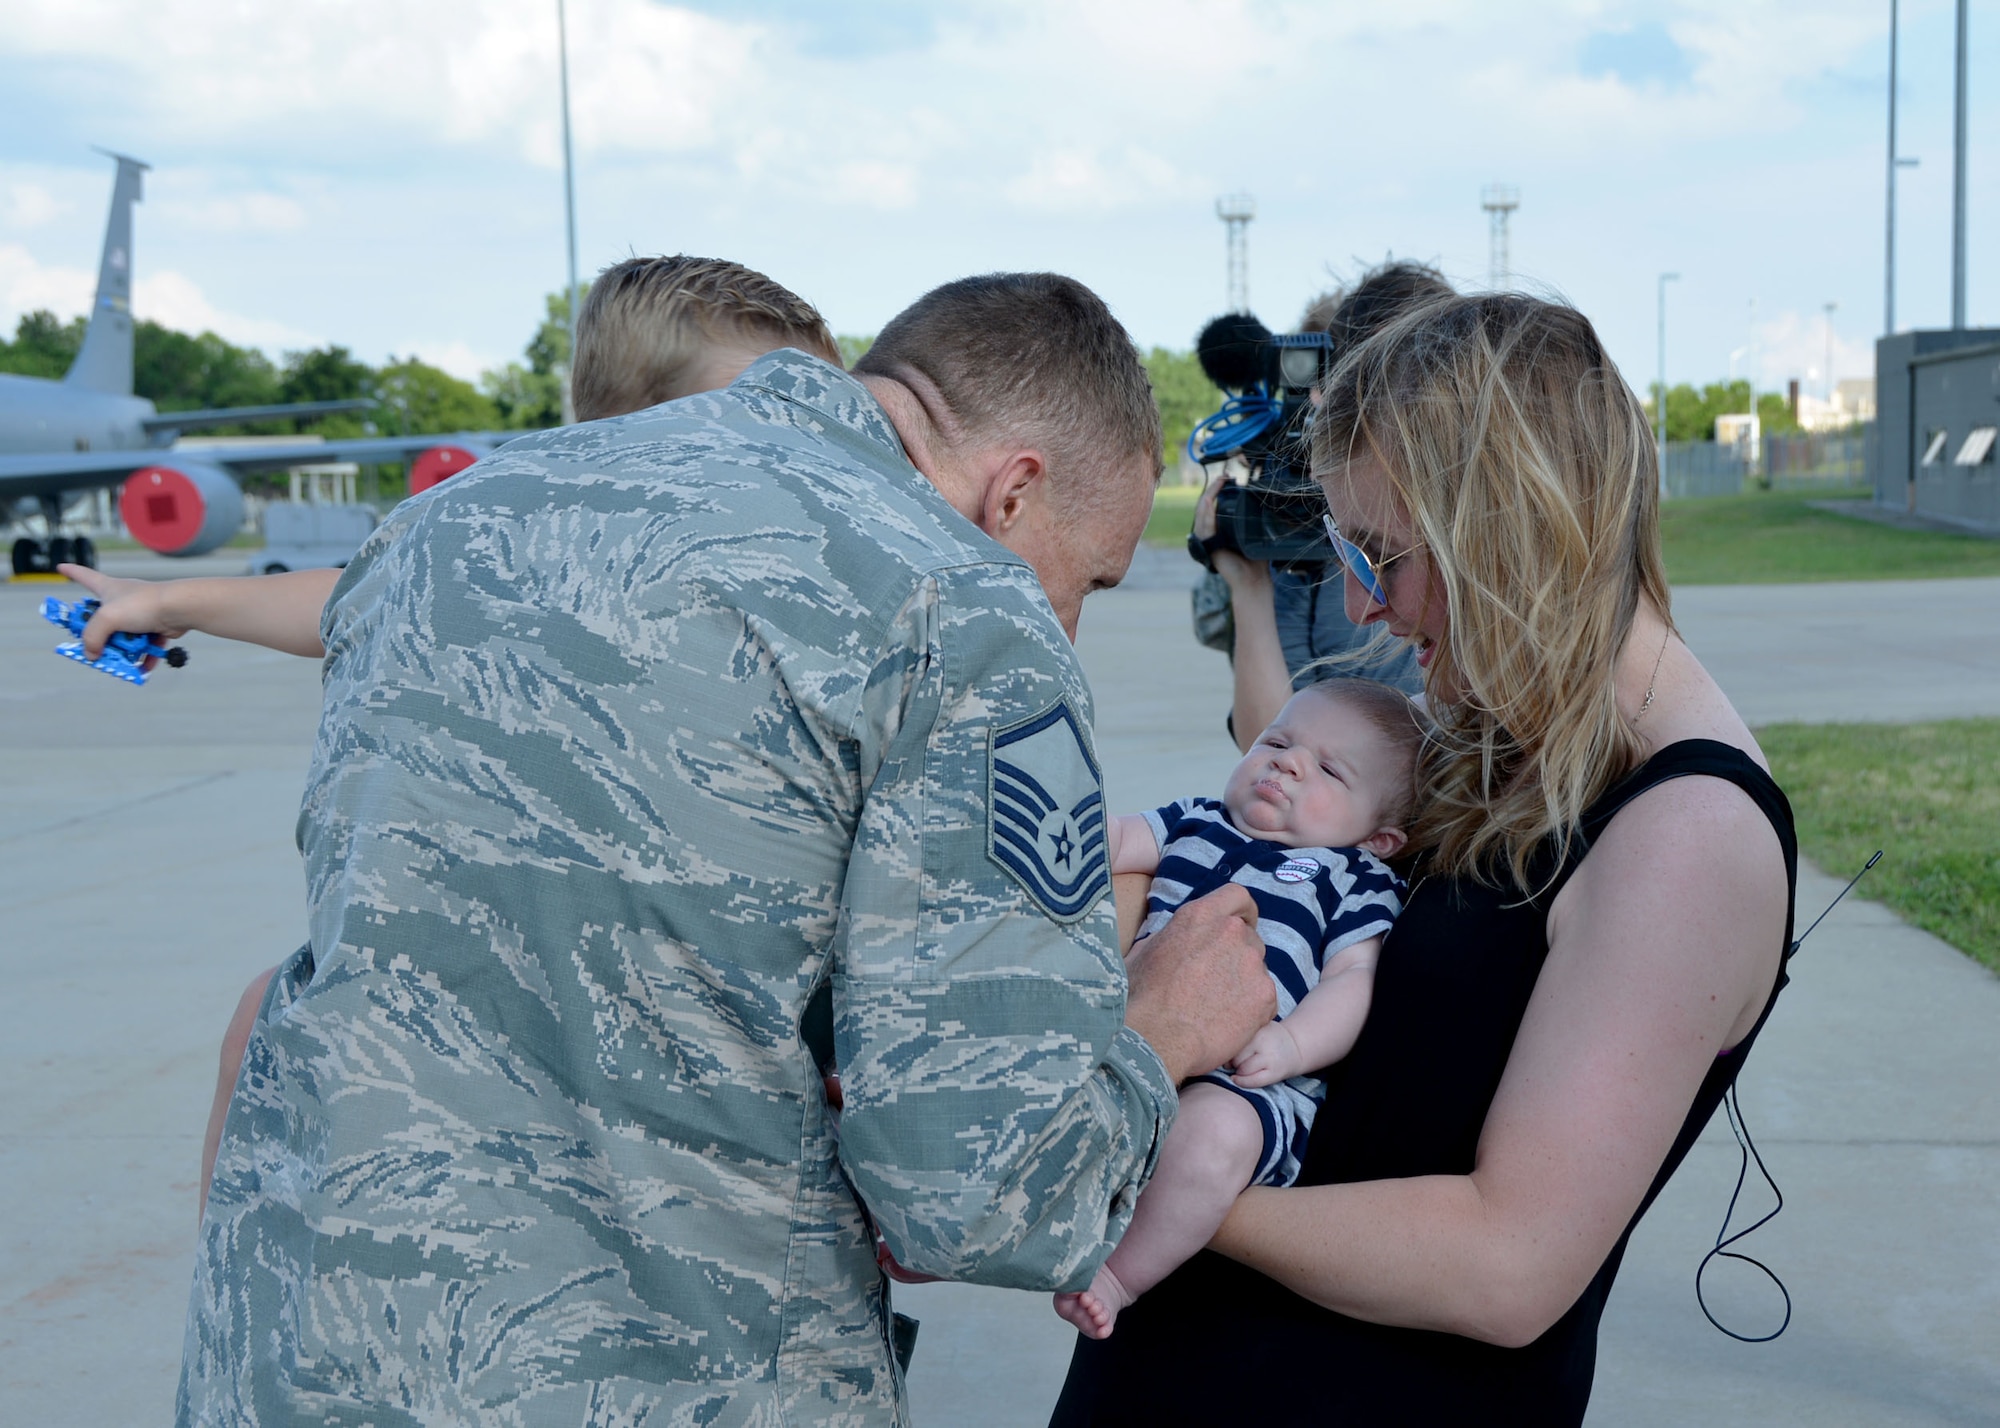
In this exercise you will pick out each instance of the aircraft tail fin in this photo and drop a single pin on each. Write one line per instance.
(105, 362)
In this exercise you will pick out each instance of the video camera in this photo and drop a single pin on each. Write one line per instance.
(1267, 420)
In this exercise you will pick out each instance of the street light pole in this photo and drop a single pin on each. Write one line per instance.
(1896, 161)
(1753, 358)
(1958, 184)
(1830, 308)
(1889, 239)
(1754, 438)
(1660, 392)
(569, 214)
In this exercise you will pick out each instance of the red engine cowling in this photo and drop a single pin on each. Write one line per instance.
(439, 462)
(183, 509)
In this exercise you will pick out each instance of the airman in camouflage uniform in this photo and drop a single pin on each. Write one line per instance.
(639, 737)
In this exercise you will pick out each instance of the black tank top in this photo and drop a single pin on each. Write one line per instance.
(1219, 1343)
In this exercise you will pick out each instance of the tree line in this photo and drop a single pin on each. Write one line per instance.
(179, 371)
(1691, 414)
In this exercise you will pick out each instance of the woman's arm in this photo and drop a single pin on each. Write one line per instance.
(1261, 682)
(279, 611)
(1663, 950)
(1257, 662)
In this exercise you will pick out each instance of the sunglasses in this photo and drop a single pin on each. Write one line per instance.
(1357, 563)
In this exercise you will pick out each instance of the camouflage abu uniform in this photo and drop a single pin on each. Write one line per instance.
(636, 737)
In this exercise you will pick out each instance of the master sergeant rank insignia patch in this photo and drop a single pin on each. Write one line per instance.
(1045, 822)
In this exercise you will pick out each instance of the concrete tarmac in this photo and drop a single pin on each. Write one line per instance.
(147, 871)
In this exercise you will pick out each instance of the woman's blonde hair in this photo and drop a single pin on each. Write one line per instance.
(1527, 470)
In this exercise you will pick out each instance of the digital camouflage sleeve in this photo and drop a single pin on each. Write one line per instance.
(639, 738)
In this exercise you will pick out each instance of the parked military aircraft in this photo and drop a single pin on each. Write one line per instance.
(88, 432)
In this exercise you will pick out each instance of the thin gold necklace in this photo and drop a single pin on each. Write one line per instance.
(1658, 660)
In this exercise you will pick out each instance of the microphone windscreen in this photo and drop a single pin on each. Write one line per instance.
(1231, 350)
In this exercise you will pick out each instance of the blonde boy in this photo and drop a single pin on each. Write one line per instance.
(651, 330)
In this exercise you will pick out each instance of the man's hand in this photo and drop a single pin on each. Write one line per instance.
(1199, 990)
(135, 606)
(1272, 1056)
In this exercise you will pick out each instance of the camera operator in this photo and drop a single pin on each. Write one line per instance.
(1289, 617)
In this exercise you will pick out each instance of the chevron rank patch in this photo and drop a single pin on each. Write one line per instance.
(1046, 819)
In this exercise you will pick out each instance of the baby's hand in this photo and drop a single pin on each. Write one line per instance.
(1271, 1056)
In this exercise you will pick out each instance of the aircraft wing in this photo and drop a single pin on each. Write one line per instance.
(228, 416)
(49, 473)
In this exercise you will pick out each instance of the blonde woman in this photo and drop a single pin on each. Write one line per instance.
(1594, 936)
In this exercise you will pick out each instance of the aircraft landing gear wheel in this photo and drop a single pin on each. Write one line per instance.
(58, 549)
(27, 556)
(83, 550)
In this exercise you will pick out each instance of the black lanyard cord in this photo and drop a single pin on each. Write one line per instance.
(1747, 1152)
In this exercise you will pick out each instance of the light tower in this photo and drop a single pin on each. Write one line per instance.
(1499, 200)
(1236, 210)
(569, 213)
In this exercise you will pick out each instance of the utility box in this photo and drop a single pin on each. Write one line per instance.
(1937, 402)
(304, 535)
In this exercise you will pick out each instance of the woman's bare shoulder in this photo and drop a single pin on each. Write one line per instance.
(1686, 885)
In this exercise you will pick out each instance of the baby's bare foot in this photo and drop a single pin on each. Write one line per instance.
(1092, 1316)
(1095, 1310)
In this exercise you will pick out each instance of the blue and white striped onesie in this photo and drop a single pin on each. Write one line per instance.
(1311, 902)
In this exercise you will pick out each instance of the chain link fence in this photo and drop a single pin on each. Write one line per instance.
(1807, 459)
(1703, 468)
(1797, 461)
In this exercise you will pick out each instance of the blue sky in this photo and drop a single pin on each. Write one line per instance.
(387, 176)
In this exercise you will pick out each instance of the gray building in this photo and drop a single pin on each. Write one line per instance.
(1937, 398)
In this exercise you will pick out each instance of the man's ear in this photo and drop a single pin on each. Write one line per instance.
(1014, 481)
(1386, 842)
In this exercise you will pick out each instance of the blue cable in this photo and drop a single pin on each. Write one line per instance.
(1241, 421)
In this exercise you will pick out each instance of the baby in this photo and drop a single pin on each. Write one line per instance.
(1304, 823)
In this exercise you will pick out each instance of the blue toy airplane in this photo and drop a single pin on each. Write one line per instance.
(124, 656)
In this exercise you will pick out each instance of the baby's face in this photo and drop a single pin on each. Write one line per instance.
(1319, 777)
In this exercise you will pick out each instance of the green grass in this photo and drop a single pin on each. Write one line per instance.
(242, 540)
(1775, 537)
(1173, 515)
(1759, 538)
(1928, 794)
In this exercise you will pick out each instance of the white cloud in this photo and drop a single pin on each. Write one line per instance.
(173, 300)
(452, 355)
(1793, 345)
(401, 153)
(29, 205)
(169, 298)
(455, 72)
(1071, 180)
(240, 213)
(874, 184)
(27, 285)
(1035, 101)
